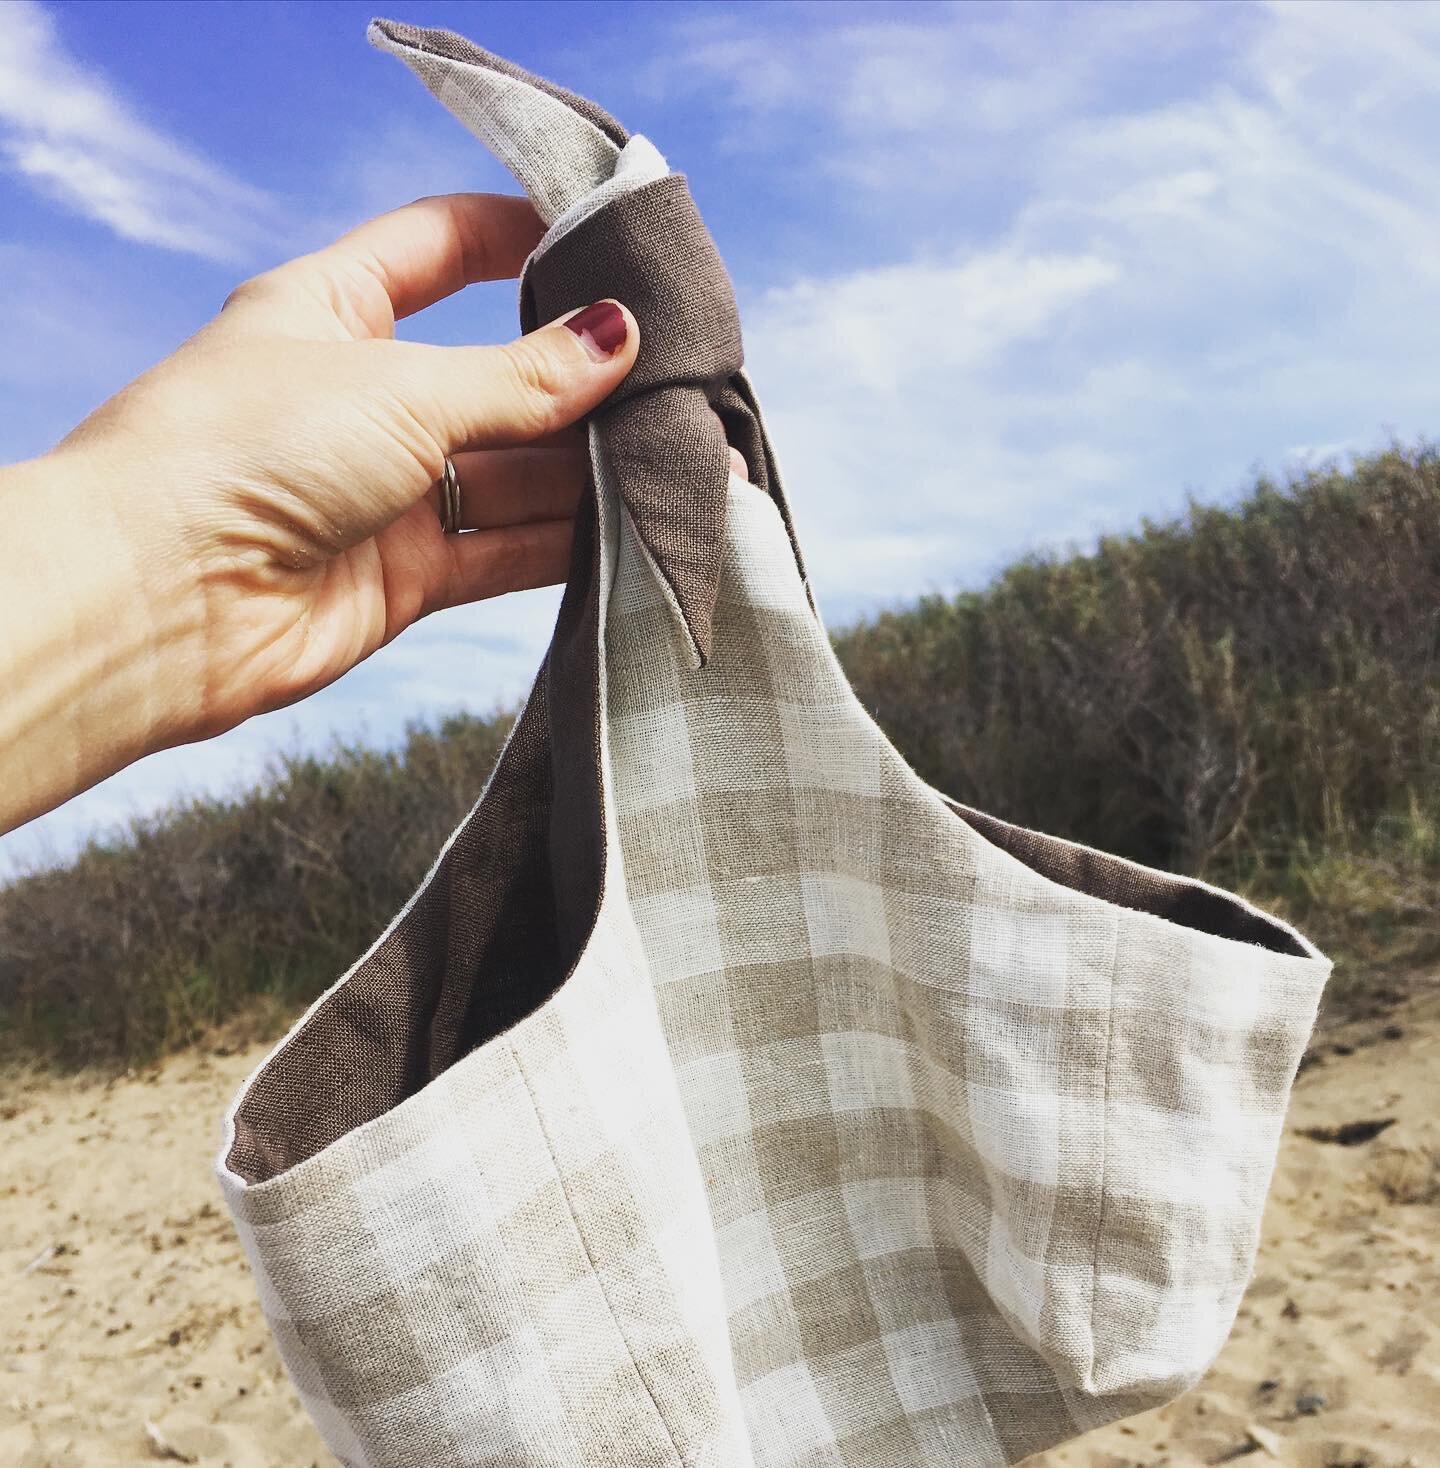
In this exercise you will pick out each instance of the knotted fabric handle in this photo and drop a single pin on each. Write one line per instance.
(635, 236)
(667, 450)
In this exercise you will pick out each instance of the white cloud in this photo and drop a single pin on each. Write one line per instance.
(919, 97)
(881, 386)
(64, 131)
(1186, 284)
(872, 326)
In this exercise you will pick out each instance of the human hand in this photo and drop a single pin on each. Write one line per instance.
(289, 450)
(256, 514)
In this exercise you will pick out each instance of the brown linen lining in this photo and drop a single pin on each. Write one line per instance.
(492, 935)
(1113, 880)
(514, 900)
(656, 427)
(650, 249)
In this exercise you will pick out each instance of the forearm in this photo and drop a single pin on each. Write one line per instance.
(91, 660)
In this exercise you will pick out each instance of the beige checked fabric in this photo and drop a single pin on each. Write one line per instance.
(860, 1131)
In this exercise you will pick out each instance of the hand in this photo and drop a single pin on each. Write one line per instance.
(256, 514)
(289, 451)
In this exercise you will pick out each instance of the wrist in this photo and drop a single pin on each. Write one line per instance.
(97, 634)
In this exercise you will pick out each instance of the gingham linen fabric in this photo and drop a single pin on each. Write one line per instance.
(863, 1130)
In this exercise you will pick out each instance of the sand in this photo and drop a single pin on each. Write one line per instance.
(131, 1333)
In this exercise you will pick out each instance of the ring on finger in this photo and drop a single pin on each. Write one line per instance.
(448, 508)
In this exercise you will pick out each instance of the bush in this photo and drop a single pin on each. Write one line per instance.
(147, 941)
(1249, 694)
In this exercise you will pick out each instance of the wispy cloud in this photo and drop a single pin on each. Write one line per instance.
(65, 132)
(921, 96)
(888, 391)
(871, 326)
(1192, 277)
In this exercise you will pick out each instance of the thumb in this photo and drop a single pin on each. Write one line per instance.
(502, 396)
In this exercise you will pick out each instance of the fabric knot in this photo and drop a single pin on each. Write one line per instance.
(649, 248)
(643, 243)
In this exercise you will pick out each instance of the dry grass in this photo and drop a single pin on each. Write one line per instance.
(1251, 694)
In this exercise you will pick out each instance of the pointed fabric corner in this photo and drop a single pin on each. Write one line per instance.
(622, 225)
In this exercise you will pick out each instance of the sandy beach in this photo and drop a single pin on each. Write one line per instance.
(132, 1335)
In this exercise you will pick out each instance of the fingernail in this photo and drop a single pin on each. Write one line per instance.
(601, 328)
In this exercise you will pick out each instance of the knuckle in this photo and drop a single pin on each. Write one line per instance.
(269, 290)
(412, 421)
(537, 381)
(247, 291)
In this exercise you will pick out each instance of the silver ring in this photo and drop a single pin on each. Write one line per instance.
(449, 509)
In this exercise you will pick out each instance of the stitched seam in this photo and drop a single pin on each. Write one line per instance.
(599, 1277)
(1094, 1385)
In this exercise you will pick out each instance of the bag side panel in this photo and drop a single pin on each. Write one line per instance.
(515, 1264)
(921, 1075)
(512, 1266)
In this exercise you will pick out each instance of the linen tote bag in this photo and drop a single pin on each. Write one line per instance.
(725, 1096)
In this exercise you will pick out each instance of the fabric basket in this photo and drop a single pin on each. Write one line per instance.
(726, 1096)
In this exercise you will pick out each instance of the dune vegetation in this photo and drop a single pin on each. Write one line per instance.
(1248, 693)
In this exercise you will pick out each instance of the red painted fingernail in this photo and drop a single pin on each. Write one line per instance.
(601, 328)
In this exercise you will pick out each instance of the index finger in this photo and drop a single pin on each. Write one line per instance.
(399, 263)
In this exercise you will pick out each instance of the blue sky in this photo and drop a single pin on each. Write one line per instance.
(1010, 275)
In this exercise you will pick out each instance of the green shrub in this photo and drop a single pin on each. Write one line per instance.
(1250, 694)
(147, 941)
